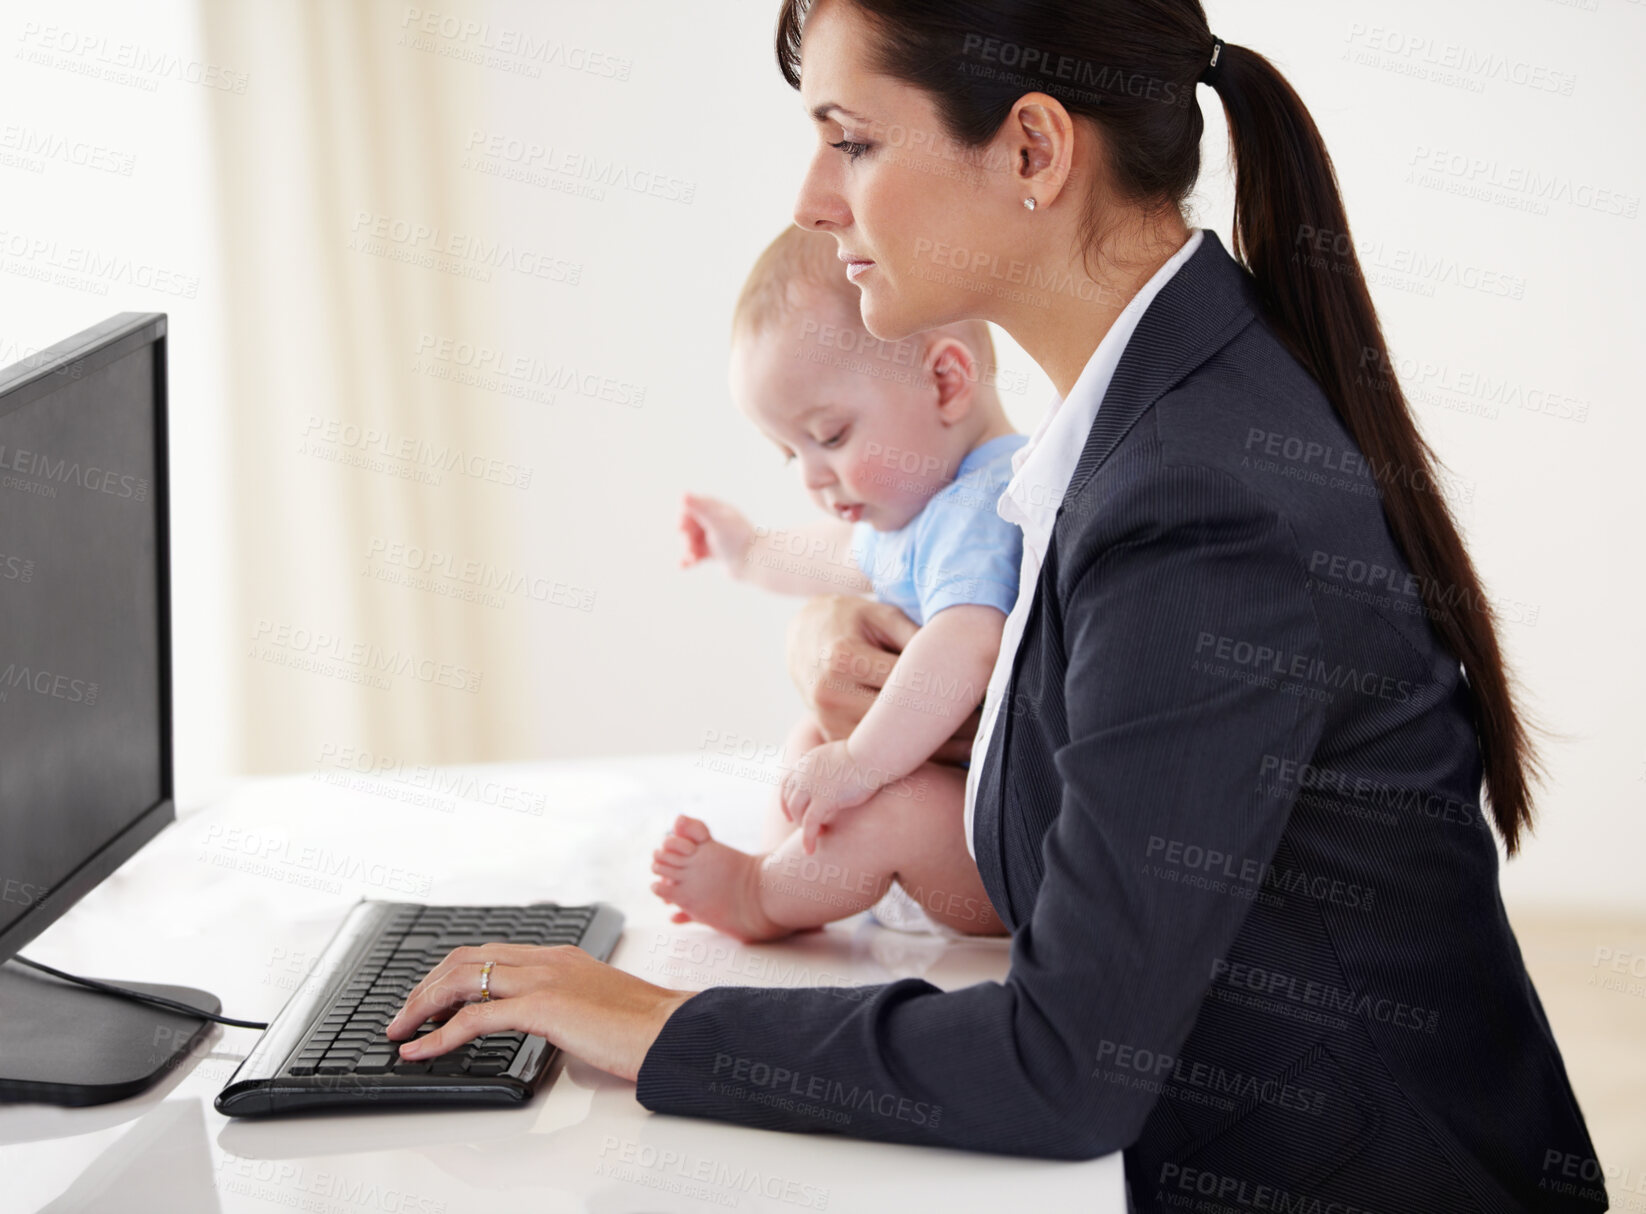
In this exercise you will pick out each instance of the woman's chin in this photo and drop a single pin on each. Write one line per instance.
(884, 320)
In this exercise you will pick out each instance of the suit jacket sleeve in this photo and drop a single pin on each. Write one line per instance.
(1180, 572)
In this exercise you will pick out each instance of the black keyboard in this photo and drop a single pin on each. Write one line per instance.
(326, 1048)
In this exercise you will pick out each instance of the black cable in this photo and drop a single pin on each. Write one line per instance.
(172, 1005)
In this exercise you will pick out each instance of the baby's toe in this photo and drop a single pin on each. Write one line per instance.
(691, 828)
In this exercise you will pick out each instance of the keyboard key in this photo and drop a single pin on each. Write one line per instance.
(488, 1066)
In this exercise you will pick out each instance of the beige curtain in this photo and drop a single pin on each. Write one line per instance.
(336, 194)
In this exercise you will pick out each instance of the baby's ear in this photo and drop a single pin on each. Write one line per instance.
(952, 369)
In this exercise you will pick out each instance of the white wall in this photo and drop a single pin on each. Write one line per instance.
(106, 191)
(1556, 509)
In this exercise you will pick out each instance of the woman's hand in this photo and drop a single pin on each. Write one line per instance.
(606, 1017)
(715, 530)
(841, 648)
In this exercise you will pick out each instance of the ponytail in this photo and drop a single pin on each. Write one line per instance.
(1288, 208)
(1287, 205)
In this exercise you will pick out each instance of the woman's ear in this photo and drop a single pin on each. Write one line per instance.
(951, 368)
(1040, 146)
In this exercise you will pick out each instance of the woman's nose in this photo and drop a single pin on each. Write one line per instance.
(819, 207)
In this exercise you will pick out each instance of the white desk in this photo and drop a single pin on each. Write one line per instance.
(239, 898)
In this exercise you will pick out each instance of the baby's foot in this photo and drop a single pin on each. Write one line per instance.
(712, 883)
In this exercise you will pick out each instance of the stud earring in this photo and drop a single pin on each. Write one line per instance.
(1030, 203)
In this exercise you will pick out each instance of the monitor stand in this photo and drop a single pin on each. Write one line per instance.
(66, 1044)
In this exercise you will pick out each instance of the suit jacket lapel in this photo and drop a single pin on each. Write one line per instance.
(1208, 301)
(987, 841)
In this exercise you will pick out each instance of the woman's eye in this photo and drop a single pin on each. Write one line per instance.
(852, 150)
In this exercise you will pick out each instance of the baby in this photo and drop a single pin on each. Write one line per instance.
(906, 447)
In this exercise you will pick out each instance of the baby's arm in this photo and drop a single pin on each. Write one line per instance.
(938, 679)
(798, 560)
(806, 560)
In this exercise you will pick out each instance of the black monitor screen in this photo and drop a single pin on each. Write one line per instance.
(84, 679)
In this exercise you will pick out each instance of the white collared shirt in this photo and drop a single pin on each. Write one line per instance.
(1042, 469)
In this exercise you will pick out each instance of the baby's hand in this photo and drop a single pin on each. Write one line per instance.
(824, 781)
(715, 530)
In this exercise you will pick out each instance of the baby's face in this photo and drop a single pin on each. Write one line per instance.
(861, 424)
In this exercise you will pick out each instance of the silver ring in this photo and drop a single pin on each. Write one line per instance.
(486, 981)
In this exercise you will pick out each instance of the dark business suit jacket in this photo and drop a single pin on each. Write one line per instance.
(1231, 816)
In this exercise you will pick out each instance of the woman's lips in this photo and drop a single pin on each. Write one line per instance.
(854, 265)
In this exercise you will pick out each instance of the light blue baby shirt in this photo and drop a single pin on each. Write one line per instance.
(957, 549)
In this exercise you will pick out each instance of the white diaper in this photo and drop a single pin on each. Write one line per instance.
(902, 913)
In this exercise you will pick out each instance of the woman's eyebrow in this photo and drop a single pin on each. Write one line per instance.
(821, 113)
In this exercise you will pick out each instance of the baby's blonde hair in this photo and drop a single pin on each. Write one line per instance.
(800, 268)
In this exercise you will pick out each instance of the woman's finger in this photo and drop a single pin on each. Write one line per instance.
(449, 986)
(868, 664)
(559, 992)
(440, 989)
(887, 626)
(472, 1020)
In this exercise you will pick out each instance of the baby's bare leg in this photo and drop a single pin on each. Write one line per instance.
(911, 830)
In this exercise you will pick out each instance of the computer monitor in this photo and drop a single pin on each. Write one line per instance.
(85, 693)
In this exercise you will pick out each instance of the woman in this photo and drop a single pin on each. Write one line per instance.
(1228, 772)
